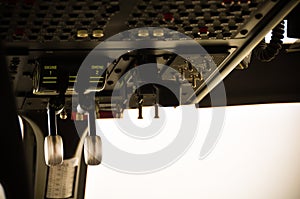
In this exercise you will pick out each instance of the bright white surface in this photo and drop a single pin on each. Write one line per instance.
(138, 146)
(286, 40)
(257, 157)
(21, 126)
(2, 194)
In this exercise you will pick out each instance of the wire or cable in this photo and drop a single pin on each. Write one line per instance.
(266, 52)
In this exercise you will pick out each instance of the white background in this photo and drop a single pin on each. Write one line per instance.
(256, 157)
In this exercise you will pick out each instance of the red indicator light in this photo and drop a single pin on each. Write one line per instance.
(19, 31)
(168, 17)
(203, 30)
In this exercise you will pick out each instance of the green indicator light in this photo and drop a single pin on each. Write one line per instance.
(49, 82)
(53, 67)
(49, 77)
(95, 77)
(97, 67)
(91, 81)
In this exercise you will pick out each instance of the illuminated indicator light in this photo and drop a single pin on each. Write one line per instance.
(203, 30)
(158, 33)
(143, 33)
(168, 17)
(49, 77)
(72, 79)
(91, 81)
(82, 33)
(49, 82)
(96, 77)
(19, 31)
(245, 1)
(98, 33)
(227, 2)
(50, 67)
(97, 67)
